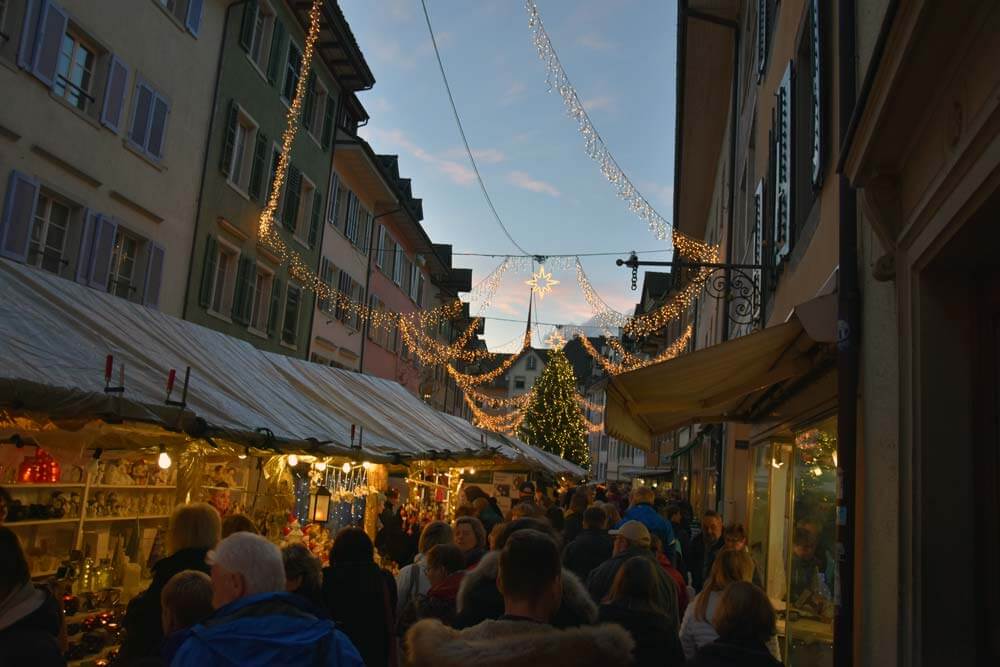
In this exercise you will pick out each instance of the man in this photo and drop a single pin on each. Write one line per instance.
(592, 545)
(704, 548)
(631, 540)
(186, 601)
(675, 515)
(530, 581)
(642, 510)
(255, 621)
(526, 493)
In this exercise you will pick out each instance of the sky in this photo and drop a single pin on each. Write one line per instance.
(621, 58)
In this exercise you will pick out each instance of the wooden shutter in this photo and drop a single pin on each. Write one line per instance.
(315, 219)
(245, 273)
(274, 63)
(157, 127)
(208, 272)
(290, 211)
(142, 106)
(51, 30)
(309, 106)
(114, 94)
(154, 275)
(328, 114)
(29, 34)
(247, 24)
(783, 168)
(331, 211)
(193, 19)
(275, 310)
(762, 36)
(293, 310)
(18, 214)
(89, 219)
(105, 231)
(229, 138)
(259, 165)
(816, 22)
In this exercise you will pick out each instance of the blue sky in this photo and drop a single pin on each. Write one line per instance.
(620, 56)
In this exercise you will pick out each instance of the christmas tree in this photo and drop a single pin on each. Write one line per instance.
(553, 420)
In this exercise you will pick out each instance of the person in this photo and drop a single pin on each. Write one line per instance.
(235, 523)
(680, 584)
(391, 539)
(555, 516)
(808, 586)
(412, 579)
(256, 622)
(526, 493)
(734, 537)
(470, 537)
(186, 601)
(746, 624)
(682, 536)
(574, 518)
(494, 534)
(193, 530)
(632, 605)
(445, 568)
(704, 548)
(488, 516)
(32, 629)
(480, 599)
(592, 545)
(642, 510)
(697, 629)
(361, 597)
(614, 514)
(531, 579)
(631, 540)
(304, 575)
(526, 511)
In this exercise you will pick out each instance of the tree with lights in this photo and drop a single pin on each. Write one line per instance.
(553, 420)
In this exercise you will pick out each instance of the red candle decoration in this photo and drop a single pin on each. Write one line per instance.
(109, 363)
(171, 376)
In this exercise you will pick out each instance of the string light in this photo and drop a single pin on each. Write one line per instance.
(541, 282)
(631, 362)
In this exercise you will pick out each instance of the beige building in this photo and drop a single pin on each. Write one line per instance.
(102, 139)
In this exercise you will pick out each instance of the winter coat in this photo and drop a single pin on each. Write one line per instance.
(361, 599)
(696, 633)
(490, 517)
(411, 582)
(701, 558)
(647, 515)
(479, 599)
(439, 603)
(266, 629)
(143, 624)
(391, 540)
(679, 583)
(30, 624)
(473, 556)
(573, 526)
(517, 643)
(590, 548)
(656, 643)
(601, 579)
(733, 653)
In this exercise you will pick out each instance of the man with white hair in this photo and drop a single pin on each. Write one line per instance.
(255, 621)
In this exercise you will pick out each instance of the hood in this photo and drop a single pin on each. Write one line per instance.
(21, 603)
(517, 644)
(575, 595)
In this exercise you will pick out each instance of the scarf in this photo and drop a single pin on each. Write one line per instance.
(20, 603)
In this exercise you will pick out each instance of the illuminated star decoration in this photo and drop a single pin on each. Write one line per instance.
(556, 340)
(541, 282)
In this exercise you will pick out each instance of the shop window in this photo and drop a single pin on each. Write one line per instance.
(47, 248)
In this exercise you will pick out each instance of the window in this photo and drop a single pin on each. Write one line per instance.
(290, 325)
(420, 289)
(397, 268)
(351, 223)
(292, 65)
(314, 109)
(75, 72)
(122, 278)
(261, 299)
(263, 31)
(48, 234)
(244, 158)
(381, 247)
(336, 193)
(306, 193)
(345, 286)
(531, 363)
(406, 271)
(187, 12)
(223, 271)
(518, 382)
(149, 120)
(327, 275)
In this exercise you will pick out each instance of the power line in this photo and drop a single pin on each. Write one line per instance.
(569, 254)
(461, 130)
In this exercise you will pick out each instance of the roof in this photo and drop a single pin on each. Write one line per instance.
(580, 359)
(337, 46)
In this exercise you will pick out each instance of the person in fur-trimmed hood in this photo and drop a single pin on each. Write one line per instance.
(530, 578)
(479, 598)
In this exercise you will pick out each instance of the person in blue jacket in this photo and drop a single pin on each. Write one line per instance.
(255, 621)
(642, 510)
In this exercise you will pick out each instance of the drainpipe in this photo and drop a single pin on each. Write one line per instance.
(204, 161)
(848, 350)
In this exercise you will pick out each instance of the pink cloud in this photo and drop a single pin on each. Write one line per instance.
(526, 182)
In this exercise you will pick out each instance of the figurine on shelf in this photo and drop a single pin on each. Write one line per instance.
(59, 504)
(224, 477)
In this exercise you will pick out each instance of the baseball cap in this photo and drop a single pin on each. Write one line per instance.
(634, 532)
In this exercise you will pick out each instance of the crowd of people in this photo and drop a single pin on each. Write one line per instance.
(588, 578)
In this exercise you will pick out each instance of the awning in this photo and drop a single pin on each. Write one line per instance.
(718, 383)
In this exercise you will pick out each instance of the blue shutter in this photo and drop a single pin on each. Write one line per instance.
(29, 33)
(100, 258)
(816, 20)
(157, 127)
(293, 193)
(328, 113)
(154, 275)
(86, 246)
(275, 310)
(762, 36)
(18, 213)
(783, 168)
(51, 30)
(274, 64)
(193, 20)
(758, 244)
(114, 94)
(259, 166)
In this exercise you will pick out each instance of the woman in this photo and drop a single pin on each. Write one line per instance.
(194, 529)
(237, 523)
(303, 574)
(31, 621)
(631, 605)
(574, 518)
(486, 514)
(361, 597)
(697, 629)
(614, 514)
(745, 620)
(470, 537)
(412, 579)
(445, 569)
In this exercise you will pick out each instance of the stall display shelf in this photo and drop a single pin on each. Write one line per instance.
(42, 522)
(46, 485)
(141, 517)
(129, 487)
(225, 488)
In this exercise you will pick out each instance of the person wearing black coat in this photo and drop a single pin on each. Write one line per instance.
(31, 621)
(194, 529)
(574, 518)
(361, 597)
(591, 547)
(704, 548)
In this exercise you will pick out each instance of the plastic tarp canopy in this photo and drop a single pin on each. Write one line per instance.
(55, 335)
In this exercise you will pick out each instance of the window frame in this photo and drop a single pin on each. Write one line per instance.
(304, 217)
(229, 286)
(289, 288)
(89, 94)
(320, 100)
(114, 270)
(531, 363)
(39, 255)
(242, 183)
(288, 70)
(520, 382)
(260, 268)
(263, 60)
(155, 94)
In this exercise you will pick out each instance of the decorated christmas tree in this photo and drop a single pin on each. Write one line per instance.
(553, 420)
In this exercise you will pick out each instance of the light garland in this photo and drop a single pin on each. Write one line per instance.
(464, 380)
(630, 361)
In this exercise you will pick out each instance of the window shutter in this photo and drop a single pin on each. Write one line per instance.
(208, 272)
(29, 33)
(114, 94)
(351, 224)
(229, 138)
(142, 105)
(324, 269)
(309, 106)
(100, 259)
(154, 275)
(247, 24)
(18, 212)
(316, 219)
(158, 127)
(51, 29)
(275, 158)
(274, 63)
(86, 245)
(783, 168)
(380, 247)
(762, 36)
(244, 289)
(193, 20)
(817, 92)
(331, 211)
(272, 316)
(259, 165)
(758, 243)
(290, 213)
(328, 113)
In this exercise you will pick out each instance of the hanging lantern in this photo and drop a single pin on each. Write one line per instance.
(319, 505)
